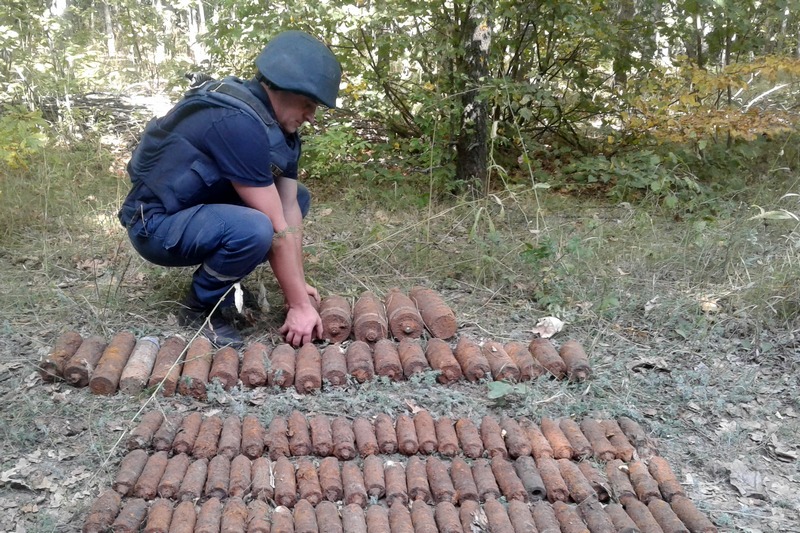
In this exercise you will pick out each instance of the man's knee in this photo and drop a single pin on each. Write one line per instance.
(303, 199)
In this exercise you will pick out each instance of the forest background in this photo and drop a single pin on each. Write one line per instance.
(628, 166)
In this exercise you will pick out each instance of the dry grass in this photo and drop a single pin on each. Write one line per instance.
(692, 325)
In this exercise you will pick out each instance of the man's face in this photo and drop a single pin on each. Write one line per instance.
(292, 110)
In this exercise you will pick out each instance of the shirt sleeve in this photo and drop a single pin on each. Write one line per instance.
(240, 147)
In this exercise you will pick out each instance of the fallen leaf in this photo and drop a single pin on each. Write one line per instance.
(749, 483)
(413, 406)
(548, 326)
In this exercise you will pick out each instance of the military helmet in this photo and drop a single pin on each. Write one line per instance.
(295, 61)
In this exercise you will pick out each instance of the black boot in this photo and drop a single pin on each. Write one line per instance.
(218, 327)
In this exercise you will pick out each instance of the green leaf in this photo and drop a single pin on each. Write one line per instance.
(499, 389)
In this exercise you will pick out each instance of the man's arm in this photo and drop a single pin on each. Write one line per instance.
(287, 190)
(285, 257)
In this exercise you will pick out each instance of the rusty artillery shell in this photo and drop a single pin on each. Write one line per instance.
(330, 479)
(577, 484)
(234, 515)
(516, 441)
(643, 483)
(173, 475)
(437, 315)
(334, 365)
(385, 433)
(485, 480)
(308, 374)
(218, 477)
(621, 488)
(387, 360)
(520, 515)
(354, 520)
(258, 517)
(359, 361)
(502, 366)
(470, 439)
(196, 367)
(187, 433)
(165, 434)
(396, 486)
(374, 479)
(51, 367)
(252, 437)
(298, 434)
(463, 482)
(241, 475)
(595, 479)
(194, 480)
(403, 316)
(337, 322)
(595, 432)
(277, 439)
(545, 353)
(282, 362)
(577, 362)
(492, 438)
(137, 370)
(230, 439)
(369, 318)
(551, 476)
(562, 449)
(581, 446)
(446, 436)
(78, 369)
(529, 368)
(364, 434)
(473, 364)
(146, 486)
(105, 377)
(254, 365)
(142, 434)
(510, 484)
(412, 358)
(328, 519)
(285, 483)
(167, 367)
(426, 432)
(622, 447)
(225, 367)
(321, 435)
(129, 471)
(102, 513)
(439, 481)
(668, 484)
(205, 445)
(441, 358)
(261, 477)
(540, 446)
(308, 485)
(545, 518)
(131, 517)
(530, 478)
(344, 446)
(353, 484)
(422, 516)
(497, 517)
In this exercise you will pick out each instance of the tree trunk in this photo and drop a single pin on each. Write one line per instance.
(622, 63)
(471, 147)
(111, 43)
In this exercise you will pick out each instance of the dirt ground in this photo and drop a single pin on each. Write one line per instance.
(724, 419)
(715, 387)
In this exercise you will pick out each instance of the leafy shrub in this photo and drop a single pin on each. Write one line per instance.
(21, 135)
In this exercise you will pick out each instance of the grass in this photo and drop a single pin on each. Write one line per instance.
(630, 281)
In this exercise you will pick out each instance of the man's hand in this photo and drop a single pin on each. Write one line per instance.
(302, 325)
(312, 292)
